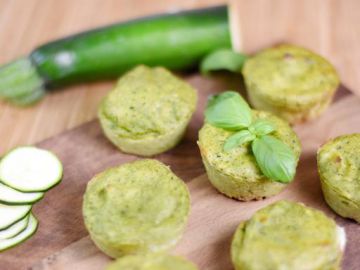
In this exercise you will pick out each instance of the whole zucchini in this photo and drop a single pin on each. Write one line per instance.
(176, 41)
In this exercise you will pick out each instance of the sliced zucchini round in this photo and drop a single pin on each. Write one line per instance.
(10, 214)
(21, 237)
(30, 169)
(15, 229)
(11, 196)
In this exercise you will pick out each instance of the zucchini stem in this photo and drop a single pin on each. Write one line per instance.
(20, 82)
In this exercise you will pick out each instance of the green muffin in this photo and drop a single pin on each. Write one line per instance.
(151, 262)
(339, 170)
(236, 173)
(136, 208)
(148, 111)
(287, 236)
(292, 82)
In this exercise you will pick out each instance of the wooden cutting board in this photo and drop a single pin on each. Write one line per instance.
(63, 243)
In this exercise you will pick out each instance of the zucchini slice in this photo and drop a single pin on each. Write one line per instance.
(21, 237)
(15, 229)
(10, 214)
(30, 169)
(11, 196)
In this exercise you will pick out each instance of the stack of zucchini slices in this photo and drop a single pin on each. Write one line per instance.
(26, 173)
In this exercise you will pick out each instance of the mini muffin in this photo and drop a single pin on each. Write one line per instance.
(151, 261)
(136, 208)
(288, 235)
(236, 173)
(148, 111)
(292, 82)
(339, 169)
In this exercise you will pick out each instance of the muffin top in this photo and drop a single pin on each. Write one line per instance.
(147, 102)
(290, 76)
(240, 161)
(140, 204)
(339, 166)
(151, 262)
(287, 235)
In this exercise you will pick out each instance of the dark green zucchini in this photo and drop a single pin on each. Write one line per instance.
(176, 41)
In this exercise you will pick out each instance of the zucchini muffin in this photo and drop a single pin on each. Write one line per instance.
(286, 236)
(339, 170)
(236, 173)
(136, 208)
(151, 261)
(148, 111)
(292, 82)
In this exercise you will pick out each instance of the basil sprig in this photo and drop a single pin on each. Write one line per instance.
(276, 160)
(223, 59)
(230, 111)
(239, 138)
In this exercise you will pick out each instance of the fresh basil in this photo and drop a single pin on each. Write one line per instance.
(238, 139)
(223, 59)
(275, 159)
(228, 111)
(261, 127)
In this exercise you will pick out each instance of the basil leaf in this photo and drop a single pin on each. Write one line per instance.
(223, 59)
(261, 127)
(229, 111)
(237, 139)
(276, 160)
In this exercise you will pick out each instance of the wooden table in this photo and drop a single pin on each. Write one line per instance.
(329, 27)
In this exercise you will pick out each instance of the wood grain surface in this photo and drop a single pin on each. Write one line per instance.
(62, 242)
(329, 27)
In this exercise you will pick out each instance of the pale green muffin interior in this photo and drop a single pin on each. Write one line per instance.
(147, 102)
(152, 262)
(290, 76)
(240, 161)
(136, 207)
(339, 166)
(287, 235)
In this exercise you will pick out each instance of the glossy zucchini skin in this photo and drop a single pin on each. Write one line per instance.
(176, 41)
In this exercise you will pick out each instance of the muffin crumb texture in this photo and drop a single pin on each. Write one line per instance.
(235, 173)
(292, 82)
(152, 262)
(287, 235)
(148, 111)
(136, 208)
(339, 170)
